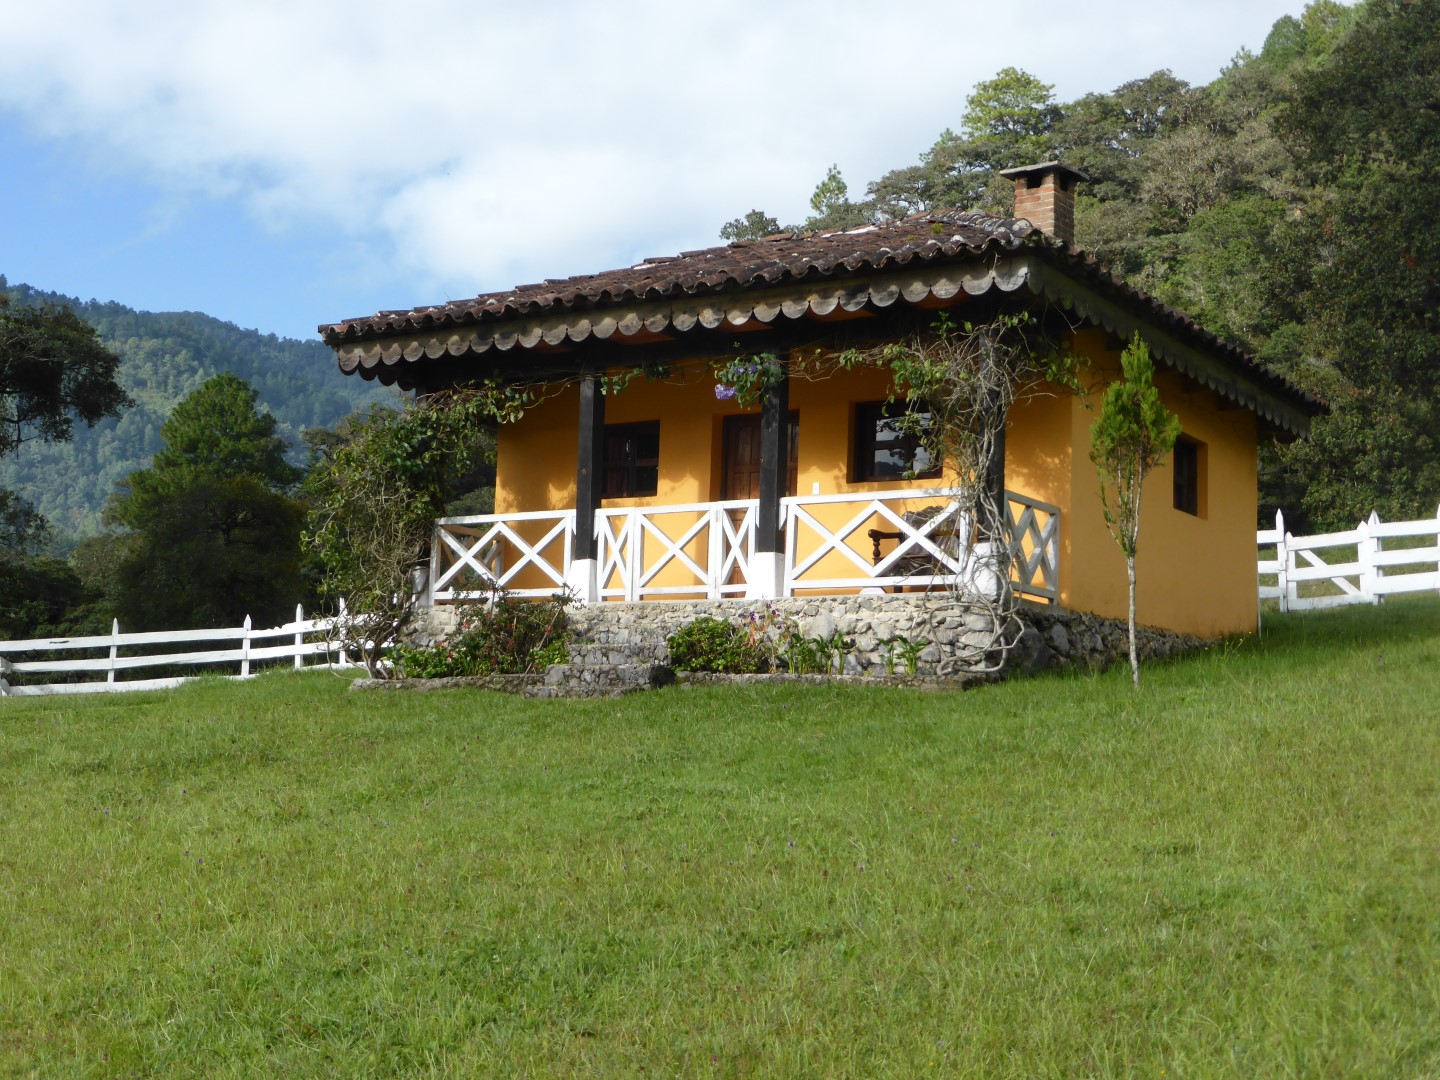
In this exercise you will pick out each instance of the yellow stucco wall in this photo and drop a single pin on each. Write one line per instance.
(1196, 574)
(536, 459)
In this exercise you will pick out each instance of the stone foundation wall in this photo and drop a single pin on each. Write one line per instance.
(960, 641)
(957, 638)
(1056, 638)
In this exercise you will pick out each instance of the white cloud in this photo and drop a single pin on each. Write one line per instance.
(469, 146)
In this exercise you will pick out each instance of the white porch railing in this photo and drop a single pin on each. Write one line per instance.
(676, 550)
(304, 643)
(1034, 547)
(471, 556)
(707, 549)
(823, 557)
(1374, 560)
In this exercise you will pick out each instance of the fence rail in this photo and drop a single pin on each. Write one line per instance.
(303, 641)
(1361, 566)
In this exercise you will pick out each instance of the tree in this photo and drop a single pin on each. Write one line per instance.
(23, 530)
(753, 226)
(53, 369)
(218, 537)
(1111, 137)
(1106, 136)
(1294, 42)
(217, 431)
(39, 594)
(830, 194)
(1366, 124)
(1009, 120)
(212, 551)
(944, 178)
(375, 493)
(830, 205)
(1133, 434)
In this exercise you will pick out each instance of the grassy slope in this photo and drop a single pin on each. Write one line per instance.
(1232, 873)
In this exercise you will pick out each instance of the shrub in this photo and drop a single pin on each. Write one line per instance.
(502, 636)
(709, 644)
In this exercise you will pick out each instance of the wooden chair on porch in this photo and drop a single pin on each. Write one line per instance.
(919, 562)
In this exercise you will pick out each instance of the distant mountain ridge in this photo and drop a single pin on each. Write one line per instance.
(165, 356)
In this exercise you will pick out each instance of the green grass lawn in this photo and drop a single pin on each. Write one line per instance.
(1234, 872)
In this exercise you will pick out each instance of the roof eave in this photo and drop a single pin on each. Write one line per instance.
(1047, 268)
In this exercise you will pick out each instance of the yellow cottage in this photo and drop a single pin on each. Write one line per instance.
(667, 491)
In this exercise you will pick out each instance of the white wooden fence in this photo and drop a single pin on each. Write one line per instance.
(299, 641)
(1378, 559)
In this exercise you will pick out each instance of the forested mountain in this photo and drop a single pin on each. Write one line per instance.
(1289, 205)
(165, 356)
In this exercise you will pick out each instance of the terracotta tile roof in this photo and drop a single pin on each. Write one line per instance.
(773, 260)
(792, 274)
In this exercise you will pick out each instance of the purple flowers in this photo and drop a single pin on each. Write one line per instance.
(723, 392)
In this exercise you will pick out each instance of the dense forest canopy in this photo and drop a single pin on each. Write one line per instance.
(1289, 205)
(164, 357)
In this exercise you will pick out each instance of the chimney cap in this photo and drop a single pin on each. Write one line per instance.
(1066, 174)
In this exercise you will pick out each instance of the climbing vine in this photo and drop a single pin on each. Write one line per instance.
(744, 379)
(960, 382)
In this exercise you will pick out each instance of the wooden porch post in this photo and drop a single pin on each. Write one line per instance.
(997, 530)
(992, 550)
(767, 568)
(584, 553)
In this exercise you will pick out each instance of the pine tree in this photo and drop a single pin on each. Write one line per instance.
(1132, 435)
(219, 536)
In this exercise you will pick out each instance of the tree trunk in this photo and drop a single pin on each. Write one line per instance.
(1134, 657)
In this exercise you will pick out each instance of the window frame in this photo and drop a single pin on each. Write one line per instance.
(1187, 493)
(865, 443)
(630, 465)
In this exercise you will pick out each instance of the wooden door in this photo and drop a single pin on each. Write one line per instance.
(741, 467)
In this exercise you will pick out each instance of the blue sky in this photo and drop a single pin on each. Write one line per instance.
(285, 163)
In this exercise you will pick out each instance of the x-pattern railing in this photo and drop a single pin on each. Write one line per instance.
(636, 548)
(1034, 546)
(932, 541)
(616, 569)
(708, 548)
(731, 546)
(498, 554)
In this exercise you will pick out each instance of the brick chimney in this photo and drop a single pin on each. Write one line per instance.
(1045, 196)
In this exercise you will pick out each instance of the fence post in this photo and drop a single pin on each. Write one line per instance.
(114, 649)
(1365, 554)
(1292, 588)
(4, 682)
(245, 650)
(637, 534)
(331, 646)
(299, 637)
(1282, 557)
(715, 549)
(1379, 547)
(433, 573)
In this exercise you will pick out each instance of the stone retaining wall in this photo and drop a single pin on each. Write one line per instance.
(957, 638)
(1056, 638)
(618, 647)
